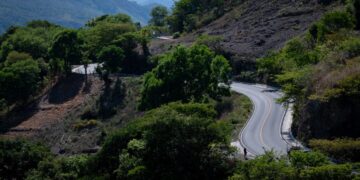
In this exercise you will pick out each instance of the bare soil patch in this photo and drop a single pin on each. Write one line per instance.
(66, 96)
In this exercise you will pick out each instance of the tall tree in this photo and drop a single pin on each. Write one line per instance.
(112, 58)
(186, 74)
(19, 81)
(66, 46)
(159, 14)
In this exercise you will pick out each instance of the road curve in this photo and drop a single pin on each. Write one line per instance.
(263, 130)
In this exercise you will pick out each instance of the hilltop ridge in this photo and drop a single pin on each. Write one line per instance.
(67, 13)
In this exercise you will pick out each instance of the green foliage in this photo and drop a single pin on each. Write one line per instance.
(18, 157)
(156, 145)
(331, 22)
(294, 83)
(267, 166)
(34, 39)
(60, 168)
(294, 56)
(213, 42)
(304, 165)
(85, 124)
(235, 110)
(158, 14)
(188, 15)
(269, 66)
(334, 21)
(186, 74)
(14, 57)
(176, 35)
(104, 31)
(40, 24)
(133, 62)
(327, 172)
(351, 47)
(19, 80)
(116, 19)
(112, 58)
(69, 13)
(293, 67)
(301, 160)
(66, 46)
(296, 53)
(56, 66)
(340, 149)
(349, 86)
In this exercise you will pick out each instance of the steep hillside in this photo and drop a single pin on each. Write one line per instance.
(253, 28)
(67, 12)
(320, 72)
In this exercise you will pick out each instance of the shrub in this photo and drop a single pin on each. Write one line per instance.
(19, 157)
(85, 125)
(19, 81)
(176, 35)
(15, 56)
(213, 42)
(191, 109)
(326, 172)
(317, 32)
(337, 20)
(267, 166)
(60, 168)
(340, 149)
(301, 159)
(155, 146)
(351, 47)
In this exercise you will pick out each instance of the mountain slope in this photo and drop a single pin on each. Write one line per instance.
(167, 3)
(70, 13)
(253, 28)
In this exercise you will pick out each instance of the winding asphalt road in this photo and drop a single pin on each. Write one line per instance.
(263, 130)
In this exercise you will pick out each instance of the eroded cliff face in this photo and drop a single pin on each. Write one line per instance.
(339, 117)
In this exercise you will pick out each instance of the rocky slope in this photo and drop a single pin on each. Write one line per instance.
(253, 28)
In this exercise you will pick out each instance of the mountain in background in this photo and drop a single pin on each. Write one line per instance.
(167, 3)
(69, 13)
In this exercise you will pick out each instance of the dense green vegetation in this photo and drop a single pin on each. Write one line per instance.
(33, 56)
(186, 74)
(157, 144)
(344, 150)
(181, 146)
(18, 157)
(320, 73)
(186, 132)
(298, 165)
(188, 15)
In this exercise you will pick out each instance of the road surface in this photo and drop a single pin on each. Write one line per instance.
(263, 131)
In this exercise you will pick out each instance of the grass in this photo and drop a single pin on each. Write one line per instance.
(237, 110)
(85, 125)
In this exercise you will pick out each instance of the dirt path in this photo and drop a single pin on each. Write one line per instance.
(65, 97)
